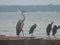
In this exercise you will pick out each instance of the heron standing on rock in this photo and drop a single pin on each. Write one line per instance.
(54, 30)
(20, 24)
(49, 28)
(32, 29)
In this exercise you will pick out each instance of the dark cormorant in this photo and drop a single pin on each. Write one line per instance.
(20, 24)
(48, 29)
(32, 29)
(54, 30)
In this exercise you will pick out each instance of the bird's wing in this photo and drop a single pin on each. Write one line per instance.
(18, 25)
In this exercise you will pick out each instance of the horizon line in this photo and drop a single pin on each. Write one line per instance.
(30, 5)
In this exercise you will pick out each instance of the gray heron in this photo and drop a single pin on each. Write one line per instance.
(20, 24)
(32, 29)
(54, 30)
(49, 28)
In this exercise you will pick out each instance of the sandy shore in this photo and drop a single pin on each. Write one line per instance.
(19, 38)
(15, 40)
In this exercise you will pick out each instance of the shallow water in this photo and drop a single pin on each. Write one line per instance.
(8, 21)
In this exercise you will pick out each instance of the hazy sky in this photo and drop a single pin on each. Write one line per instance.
(29, 2)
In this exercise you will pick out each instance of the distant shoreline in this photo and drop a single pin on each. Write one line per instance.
(30, 8)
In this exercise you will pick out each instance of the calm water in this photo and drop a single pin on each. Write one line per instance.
(8, 21)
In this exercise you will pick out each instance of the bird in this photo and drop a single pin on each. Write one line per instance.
(49, 28)
(20, 24)
(32, 29)
(54, 30)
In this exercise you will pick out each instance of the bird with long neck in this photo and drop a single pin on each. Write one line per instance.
(23, 16)
(20, 24)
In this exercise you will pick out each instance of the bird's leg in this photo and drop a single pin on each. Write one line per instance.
(54, 36)
(18, 36)
(22, 33)
(31, 35)
(49, 36)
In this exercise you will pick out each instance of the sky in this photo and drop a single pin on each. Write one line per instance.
(29, 2)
